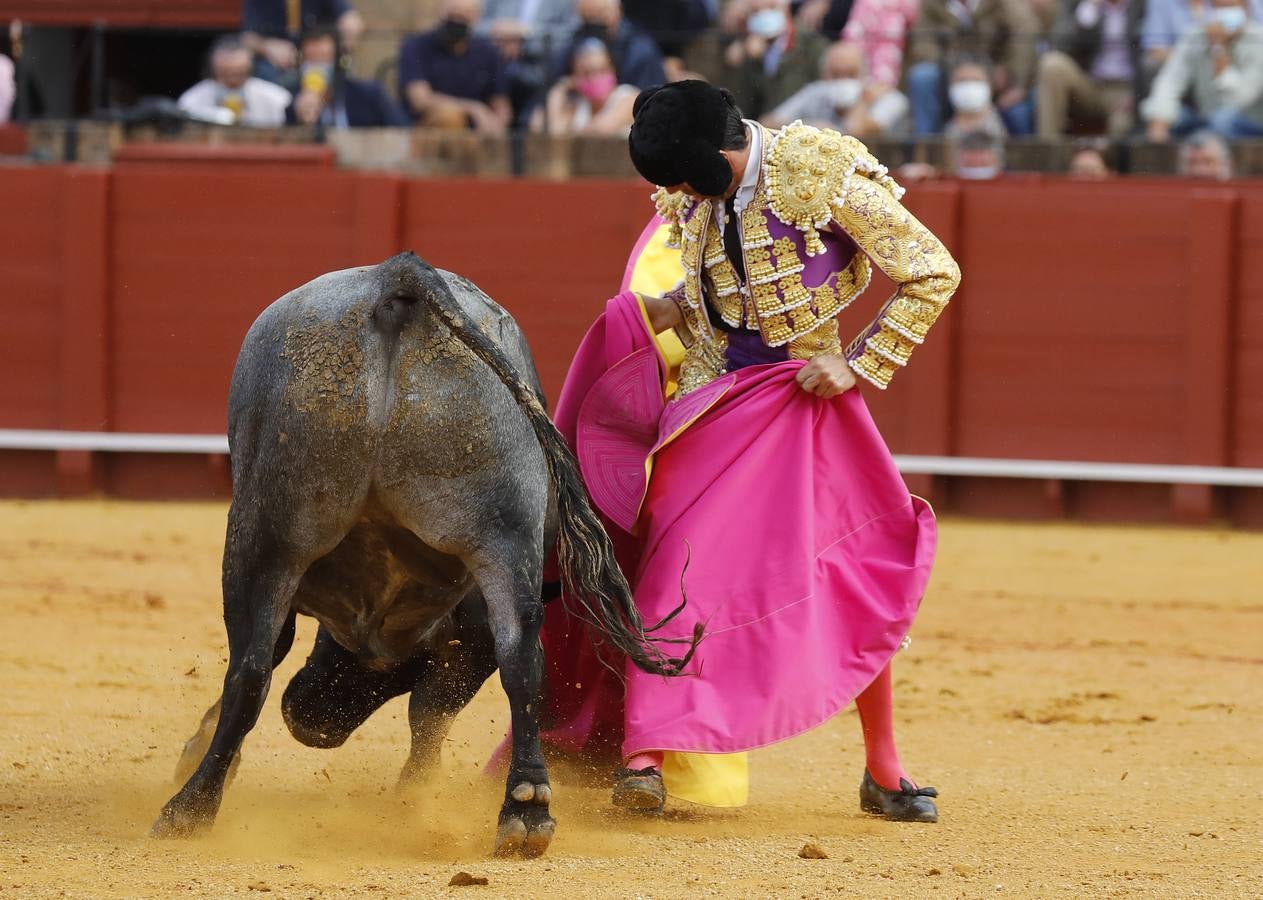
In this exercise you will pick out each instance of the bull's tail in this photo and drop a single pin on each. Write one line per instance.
(590, 574)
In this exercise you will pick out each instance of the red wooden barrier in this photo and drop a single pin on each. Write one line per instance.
(135, 13)
(1109, 322)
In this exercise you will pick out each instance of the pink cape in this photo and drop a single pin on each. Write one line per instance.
(808, 556)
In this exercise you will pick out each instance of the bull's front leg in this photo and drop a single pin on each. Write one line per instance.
(515, 615)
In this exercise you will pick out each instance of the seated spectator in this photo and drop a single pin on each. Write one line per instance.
(970, 97)
(525, 32)
(271, 29)
(453, 78)
(770, 60)
(8, 88)
(1092, 76)
(1168, 21)
(232, 96)
(845, 98)
(1205, 155)
(1220, 66)
(335, 99)
(673, 25)
(517, 22)
(589, 100)
(1087, 163)
(880, 28)
(637, 59)
(979, 156)
(1000, 32)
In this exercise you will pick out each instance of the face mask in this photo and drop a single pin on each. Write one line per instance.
(976, 173)
(845, 92)
(768, 23)
(1230, 18)
(597, 87)
(969, 96)
(453, 32)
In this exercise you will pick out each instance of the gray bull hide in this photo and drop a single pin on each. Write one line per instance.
(396, 477)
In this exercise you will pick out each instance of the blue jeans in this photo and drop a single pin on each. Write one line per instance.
(1227, 123)
(1019, 118)
(925, 95)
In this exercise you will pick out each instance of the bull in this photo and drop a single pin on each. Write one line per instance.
(395, 476)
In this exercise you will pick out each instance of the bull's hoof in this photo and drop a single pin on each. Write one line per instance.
(526, 828)
(175, 821)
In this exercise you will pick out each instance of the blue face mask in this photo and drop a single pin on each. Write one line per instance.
(1230, 18)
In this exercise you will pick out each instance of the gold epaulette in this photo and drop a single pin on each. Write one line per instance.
(809, 172)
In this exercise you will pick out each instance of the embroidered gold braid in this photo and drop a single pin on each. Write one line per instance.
(913, 258)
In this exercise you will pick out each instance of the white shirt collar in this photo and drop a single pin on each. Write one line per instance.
(750, 177)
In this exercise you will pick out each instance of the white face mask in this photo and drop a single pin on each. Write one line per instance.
(1230, 18)
(969, 96)
(768, 23)
(845, 92)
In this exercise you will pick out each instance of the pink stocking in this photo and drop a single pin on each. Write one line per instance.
(876, 708)
(645, 760)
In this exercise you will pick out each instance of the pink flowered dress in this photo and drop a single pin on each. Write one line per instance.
(879, 27)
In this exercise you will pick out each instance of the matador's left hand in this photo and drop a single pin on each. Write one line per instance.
(826, 376)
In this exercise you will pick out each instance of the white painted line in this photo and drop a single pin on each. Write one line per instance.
(12, 439)
(110, 442)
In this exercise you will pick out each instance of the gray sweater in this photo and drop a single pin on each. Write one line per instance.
(1192, 67)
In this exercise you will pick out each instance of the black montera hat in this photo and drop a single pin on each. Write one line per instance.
(677, 134)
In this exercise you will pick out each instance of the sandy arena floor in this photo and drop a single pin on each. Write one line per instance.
(1088, 701)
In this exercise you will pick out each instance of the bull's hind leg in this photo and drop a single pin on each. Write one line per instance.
(256, 608)
(510, 586)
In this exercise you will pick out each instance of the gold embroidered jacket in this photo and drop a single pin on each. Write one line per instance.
(820, 196)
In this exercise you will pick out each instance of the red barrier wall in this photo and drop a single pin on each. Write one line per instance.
(1111, 322)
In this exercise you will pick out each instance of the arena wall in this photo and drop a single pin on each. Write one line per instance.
(1109, 322)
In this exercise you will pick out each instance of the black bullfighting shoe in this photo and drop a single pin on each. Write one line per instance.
(908, 804)
(640, 791)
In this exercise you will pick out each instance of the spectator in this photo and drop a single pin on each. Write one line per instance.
(333, 98)
(452, 78)
(1001, 32)
(673, 25)
(231, 96)
(8, 88)
(527, 20)
(845, 99)
(1087, 163)
(1205, 155)
(970, 97)
(771, 59)
(589, 100)
(979, 156)
(526, 32)
(1091, 77)
(271, 29)
(1220, 64)
(880, 28)
(1167, 21)
(637, 59)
